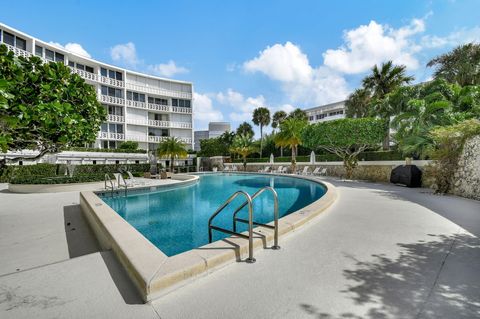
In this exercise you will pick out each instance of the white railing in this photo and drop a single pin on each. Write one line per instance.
(18, 51)
(137, 138)
(185, 140)
(156, 139)
(137, 122)
(158, 91)
(86, 75)
(158, 107)
(158, 123)
(110, 81)
(137, 104)
(187, 110)
(180, 125)
(111, 136)
(111, 99)
(115, 118)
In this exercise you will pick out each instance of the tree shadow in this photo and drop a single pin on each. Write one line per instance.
(434, 279)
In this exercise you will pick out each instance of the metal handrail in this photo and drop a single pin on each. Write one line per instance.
(107, 178)
(275, 215)
(250, 258)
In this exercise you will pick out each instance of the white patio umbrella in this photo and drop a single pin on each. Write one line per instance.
(271, 158)
(312, 157)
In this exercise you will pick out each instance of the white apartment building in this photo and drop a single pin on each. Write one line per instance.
(327, 112)
(140, 107)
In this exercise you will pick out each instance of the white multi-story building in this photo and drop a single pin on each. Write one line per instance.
(141, 107)
(332, 111)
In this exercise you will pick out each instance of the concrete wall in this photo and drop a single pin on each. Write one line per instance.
(467, 176)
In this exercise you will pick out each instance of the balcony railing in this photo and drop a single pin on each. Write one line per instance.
(86, 75)
(18, 51)
(159, 139)
(187, 110)
(115, 118)
(158, 107)
(158, 91)
(111, 136)
(137, 104)
(110, 81)
(158, 123)
(111, 99)
(137, 138)
(137, 122)
(180, 125)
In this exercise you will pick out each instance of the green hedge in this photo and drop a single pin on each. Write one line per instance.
(57, 179)
(365, 156)
(105, 150)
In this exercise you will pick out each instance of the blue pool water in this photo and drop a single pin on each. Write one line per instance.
(176, 220)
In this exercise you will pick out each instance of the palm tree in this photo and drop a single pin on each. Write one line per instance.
(244, 146)
(244, 129)
(299, 114)
(290, 135)
(461, 65)
(277, 119)
(171, 147)
(381, 82)
(358, 103)
(261, 117)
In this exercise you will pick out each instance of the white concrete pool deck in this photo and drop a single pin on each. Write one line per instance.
(381, 251)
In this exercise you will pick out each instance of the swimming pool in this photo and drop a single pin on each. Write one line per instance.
(176, 220)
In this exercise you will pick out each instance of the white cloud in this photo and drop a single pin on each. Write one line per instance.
(240, 108)
(374, 43)
(204, 111)
(167, 69)
(455, 38)
(73, 47)
(300, 81)
(125, 54)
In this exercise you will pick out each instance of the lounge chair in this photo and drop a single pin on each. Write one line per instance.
(226, 168)
(284, 170)
(266, 169)
(278, 170)
(319, 171)
(234, 168)
(304, 171)
(132, 181)
(316, 171)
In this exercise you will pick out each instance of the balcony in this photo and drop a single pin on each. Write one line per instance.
(181, 125)
(137, 138)
(115, 118)
(158, 123)
(158, 107)
(185, 110)
(86, 75)
(137, 122)
(111, 99)
(110, 81)
(158, 91)
(17, 51)
(156, 139)
(137, 104)
(111, 136)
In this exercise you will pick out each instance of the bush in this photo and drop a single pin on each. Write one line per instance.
(129, 145)
(107, 150)
(57, 179)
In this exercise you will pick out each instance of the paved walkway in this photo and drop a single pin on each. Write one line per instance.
(380, 251)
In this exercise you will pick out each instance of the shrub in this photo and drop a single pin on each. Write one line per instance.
(129, 145)
(106, 150)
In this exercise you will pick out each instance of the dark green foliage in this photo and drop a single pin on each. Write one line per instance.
(219, 146)
(245, 129)
(129, 145)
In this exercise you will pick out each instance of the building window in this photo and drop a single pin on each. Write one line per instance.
(71, 64)
(59, 57)
(310, 118)
(137, 162)
(154, 100)
(106, 90)
(49, 55)
(117, 162)
(181, 103)
(112, 74)
(119, 76)
(94, 162)
(8, 38)
(103, 72)
(21, 43)
(39, 51)
(112, 144)
(134, 96)
(320, 116)
(89, 69)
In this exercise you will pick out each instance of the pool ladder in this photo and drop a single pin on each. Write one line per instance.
(110, 186)
(249, 221)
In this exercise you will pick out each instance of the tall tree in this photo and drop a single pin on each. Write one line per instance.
(244, 129)
(277, 119)
(346, 138)
(44, 106)
(261, 117)
(291, 135)
(244, 146)
(358, 104)
(461, 65)
(381, 82)
(299, 114)
(171, 147)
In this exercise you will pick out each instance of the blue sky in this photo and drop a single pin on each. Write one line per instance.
(245, 54)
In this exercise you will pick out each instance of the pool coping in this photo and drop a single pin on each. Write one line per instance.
(154, 273)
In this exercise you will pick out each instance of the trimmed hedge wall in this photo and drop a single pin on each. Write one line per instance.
(55, 173)
(365, 156)
(105, 150)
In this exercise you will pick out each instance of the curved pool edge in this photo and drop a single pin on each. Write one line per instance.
(155, 274)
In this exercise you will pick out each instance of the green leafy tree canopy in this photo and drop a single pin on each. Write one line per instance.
(172, 147)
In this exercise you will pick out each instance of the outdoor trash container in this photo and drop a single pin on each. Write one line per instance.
(408, 175)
